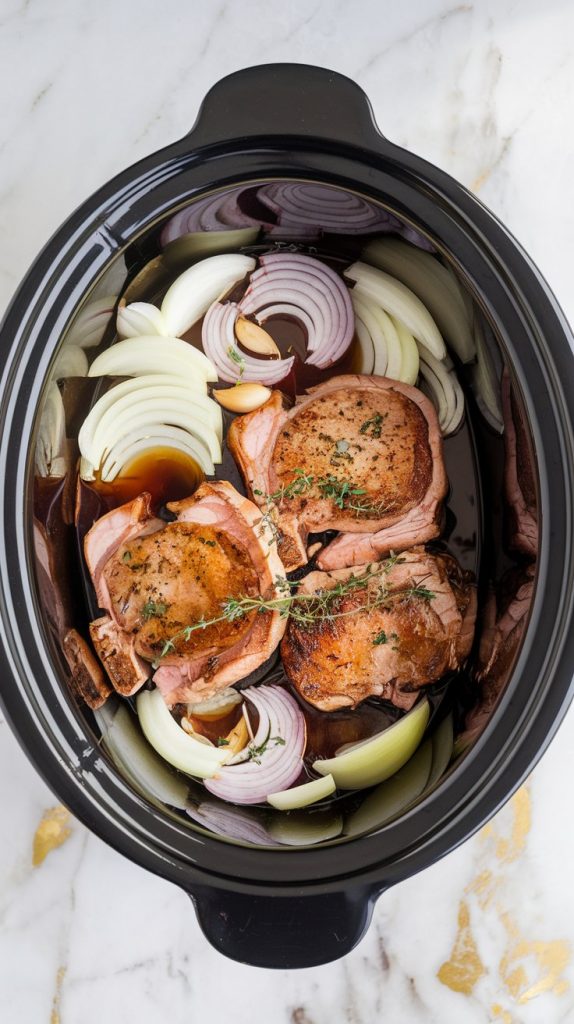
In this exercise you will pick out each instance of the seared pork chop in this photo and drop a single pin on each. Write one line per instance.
(155, 579)
(358, 454)
(386, 638)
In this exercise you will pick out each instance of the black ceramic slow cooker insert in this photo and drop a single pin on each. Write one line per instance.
(293, 152)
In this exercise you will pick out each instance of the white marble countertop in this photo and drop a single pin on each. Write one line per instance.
(485, 90)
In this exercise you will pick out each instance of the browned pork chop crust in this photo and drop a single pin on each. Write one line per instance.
(358, 454)
(154, 579)
(387, 650)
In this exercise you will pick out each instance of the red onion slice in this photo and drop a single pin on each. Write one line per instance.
(312, 287)
(218, 340)
(279, 764)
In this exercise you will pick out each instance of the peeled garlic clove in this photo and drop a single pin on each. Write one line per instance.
(254, 338)
(140, 318)
(243, 397)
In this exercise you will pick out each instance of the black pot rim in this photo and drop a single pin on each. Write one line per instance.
(537, 339)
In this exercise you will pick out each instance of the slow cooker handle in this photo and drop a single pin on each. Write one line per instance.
(273, 100)
(283, 931)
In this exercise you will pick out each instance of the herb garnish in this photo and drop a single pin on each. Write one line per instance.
(374, 424)
(380, 638)
(222, 742)
(208, 543)
(256, 752)
(238, 359)
(309, 609)
(153, 609)
(341, 453)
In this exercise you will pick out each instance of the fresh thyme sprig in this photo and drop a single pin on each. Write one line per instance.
(308, 609)
(342, 492)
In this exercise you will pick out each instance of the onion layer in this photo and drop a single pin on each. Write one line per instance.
(231, 364)
(193, 292)
(376, 759)
(399, 301)
(171, 742)
(276, 751)
(302, 284)
(152, 354)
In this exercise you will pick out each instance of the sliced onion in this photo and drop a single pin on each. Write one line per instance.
(193, 292)
(135, 759)
(213, 213)
(217, 706)
(365, 316)
(409, 353)
(388, 351)
(152, 354)
(442, 745)
(196, 245)
(315, 209)
(135, 407)
(485, 383)
(230, 822)
(377, 758)
(218, 339)
(72, 361)
(399, 301)
(88, 328)
(304, 285)
(139, 318)
(130, 447)
(51, 440)
(304, 795)
(446, 391)
(434, 286)
(279, 764)
(170, 740)
(364, 355)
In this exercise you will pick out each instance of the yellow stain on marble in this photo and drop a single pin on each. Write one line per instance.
(55, 1014)
(502, 1016)
(464, 967)
(529, 968)
(483, 887)
(509, 848)
(52, 832)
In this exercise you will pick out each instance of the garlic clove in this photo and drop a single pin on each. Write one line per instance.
(243, 397)
(254, 338)
(140, 318)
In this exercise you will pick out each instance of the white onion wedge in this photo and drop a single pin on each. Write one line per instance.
(376, 759)
(363, 310)
(119, 391)
(432, 283)
(486, 384)
(302, 796)
(409, 353)
(143, 415)
(193, 292)
(305, 829)
(130, 447)
(394, 796)
(139, 318)
(398, 300)
(88, 328)
(72, 361)
(134, 758)
(217, 706)
(442, 744)
(171, 742)
(152, 354)
(446, 391)
(364, 354)
(51, 440)
(388, 351)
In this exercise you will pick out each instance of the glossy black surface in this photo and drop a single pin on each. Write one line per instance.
(256, 127)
